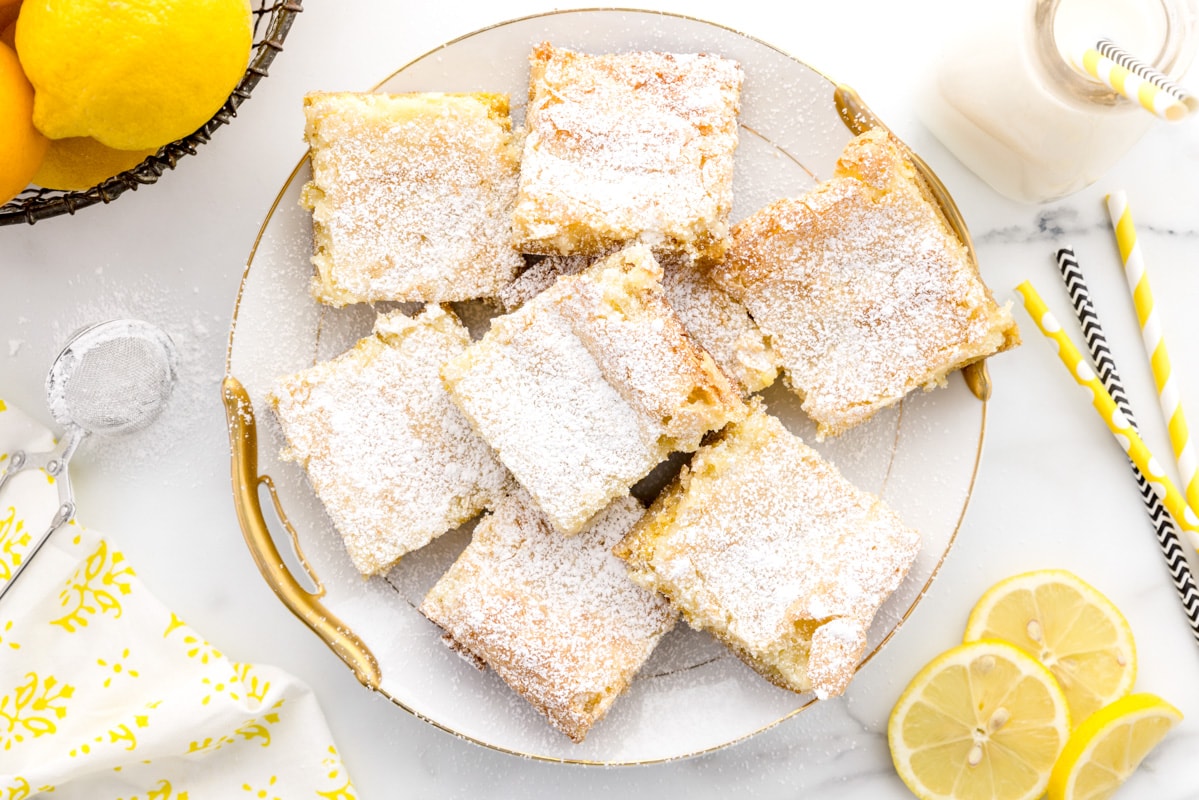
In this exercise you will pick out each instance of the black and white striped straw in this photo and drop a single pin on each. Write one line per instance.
(1105, 366)
(1110, 49)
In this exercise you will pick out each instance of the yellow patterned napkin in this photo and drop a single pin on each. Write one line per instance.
(106, 695)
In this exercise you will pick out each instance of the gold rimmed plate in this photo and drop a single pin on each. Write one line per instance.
(692, 696)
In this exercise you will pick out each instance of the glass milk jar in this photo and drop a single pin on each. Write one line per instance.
(1004, 98)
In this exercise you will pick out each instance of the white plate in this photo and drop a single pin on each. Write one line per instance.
(692, 696)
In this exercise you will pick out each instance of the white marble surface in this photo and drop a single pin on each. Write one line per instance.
(1053, 489)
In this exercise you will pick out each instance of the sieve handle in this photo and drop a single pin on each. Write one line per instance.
(858, 117)
(54, 463)
(243, 442)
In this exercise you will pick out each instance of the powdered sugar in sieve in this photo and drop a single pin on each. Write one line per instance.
(111, 378)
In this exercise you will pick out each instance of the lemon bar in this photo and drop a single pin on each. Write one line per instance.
(556, 617)
(590, 385)
(862, 289)
(411, 196)
(764, 544)
(712, 318)
(541, 275)
(720, 324)
(393, 461)
(628, 147)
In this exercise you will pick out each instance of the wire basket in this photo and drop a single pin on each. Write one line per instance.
(272, 21)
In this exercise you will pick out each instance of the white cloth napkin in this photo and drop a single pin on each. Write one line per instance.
(105, 693)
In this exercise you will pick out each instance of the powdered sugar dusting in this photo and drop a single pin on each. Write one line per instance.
(627, 146)
(761, 535)
(555, 616)
(411, 196)
(712, 318)
(392, 460)
(541, 276)
(861, 288)
(836, 647)
(720, 324)
(534, 392)
(619, 311)
(196, 394)
(556, 389)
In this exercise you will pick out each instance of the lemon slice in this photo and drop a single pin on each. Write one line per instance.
(1105, 749)
(982, 721)
(1068, 626)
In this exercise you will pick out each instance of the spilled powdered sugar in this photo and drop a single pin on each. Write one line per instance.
(198, 339)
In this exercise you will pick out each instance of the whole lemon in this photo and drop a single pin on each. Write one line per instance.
(22, 147)
(80, 163)
(132, 74)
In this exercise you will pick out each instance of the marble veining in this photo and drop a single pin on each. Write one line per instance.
(1061, 224)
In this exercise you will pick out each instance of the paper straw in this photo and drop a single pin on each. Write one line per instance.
(1155, 346)
(1117, 423)
(1113, 51)
(1101, 357)
(1145, 89)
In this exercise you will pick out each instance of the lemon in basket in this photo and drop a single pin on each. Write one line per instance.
(133, 75)
(1069, 626)
(21, 146)
(1109, 745)
(981, 721)
(80, 162)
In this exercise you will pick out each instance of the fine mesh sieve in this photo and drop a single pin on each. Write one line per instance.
(111, 378)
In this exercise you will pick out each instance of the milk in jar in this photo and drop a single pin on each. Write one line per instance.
(1004, 98)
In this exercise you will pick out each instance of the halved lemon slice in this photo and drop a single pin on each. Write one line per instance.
(1109, 745)
(1067, 625)
(982, 721)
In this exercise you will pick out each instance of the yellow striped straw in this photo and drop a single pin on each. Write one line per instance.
(1155, 345)
(1140, 87)
(1117, 423)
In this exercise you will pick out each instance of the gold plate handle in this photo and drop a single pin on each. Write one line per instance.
(858, 117)
(243, 443)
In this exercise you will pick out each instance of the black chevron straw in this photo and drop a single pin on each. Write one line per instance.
(1105, 366)
(1111, 50)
